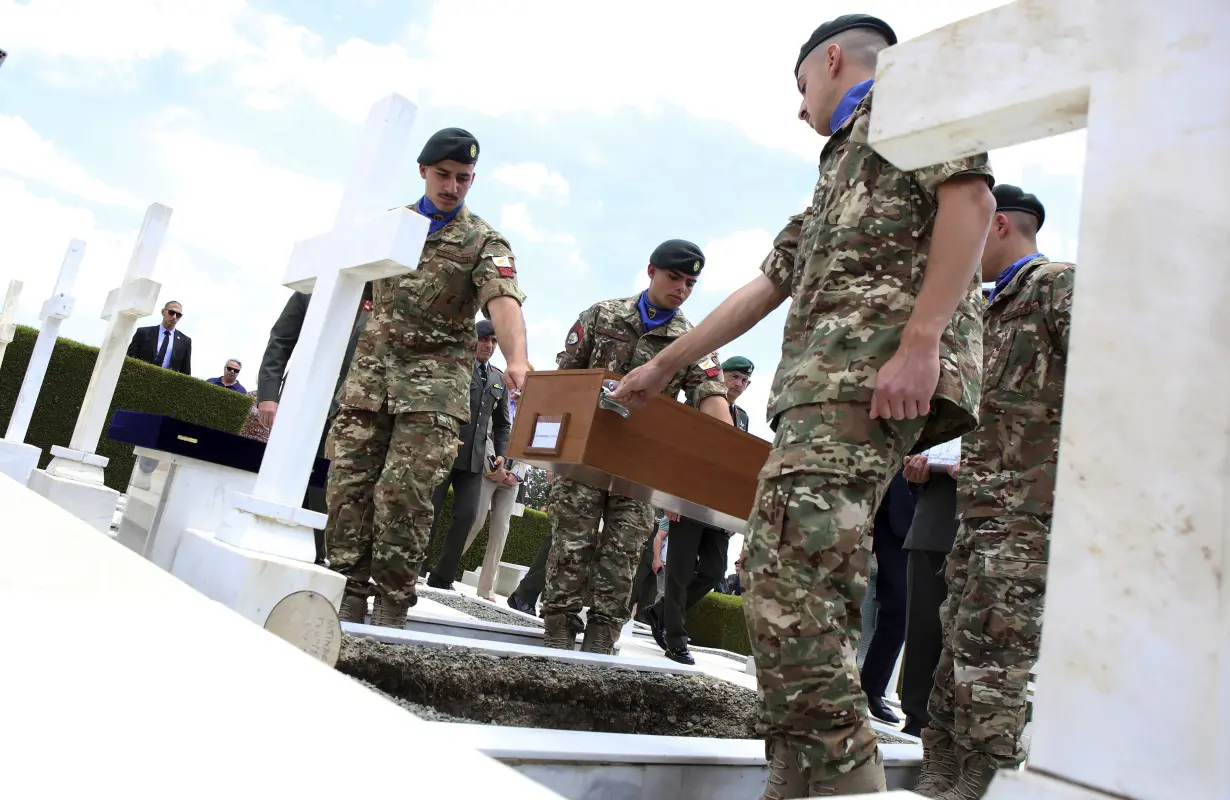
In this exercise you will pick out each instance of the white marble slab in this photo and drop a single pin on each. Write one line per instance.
(391, 636)
(193, 702)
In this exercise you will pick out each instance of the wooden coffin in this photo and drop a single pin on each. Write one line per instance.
(666, 453)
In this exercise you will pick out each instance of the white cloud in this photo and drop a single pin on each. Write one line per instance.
(733, 260)
(532, 178)
(26, 154)
(515, 221)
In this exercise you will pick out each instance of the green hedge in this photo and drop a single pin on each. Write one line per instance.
(717, 621)
(525, 534)
(142, 387)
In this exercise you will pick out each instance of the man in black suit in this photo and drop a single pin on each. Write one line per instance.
(892, 523)
(163, 345)
(488, 409)
(272, 376)
(927, 546)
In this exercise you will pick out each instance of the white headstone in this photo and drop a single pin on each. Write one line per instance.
(262, 548)
(1136, 638)
(7, 327)
(136, 297)
(18, 459)
(366, 243)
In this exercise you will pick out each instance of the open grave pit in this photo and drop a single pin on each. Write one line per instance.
(459, 684)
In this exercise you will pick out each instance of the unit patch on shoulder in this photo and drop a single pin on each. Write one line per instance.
(574, 335)
(710, 367)
(505, 265)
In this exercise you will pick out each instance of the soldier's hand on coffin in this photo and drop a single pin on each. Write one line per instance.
(266, 410)
(640, 384)
(916, 470)
(954, 470)
(905, 384)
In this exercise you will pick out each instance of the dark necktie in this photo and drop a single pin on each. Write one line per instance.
(162, 349)
(482, 374)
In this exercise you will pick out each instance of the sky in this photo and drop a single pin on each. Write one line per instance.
(601, 137)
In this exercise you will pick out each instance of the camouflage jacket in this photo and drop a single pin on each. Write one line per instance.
(417, 349)
(1008, 464)
(609, 335)
(853, 264)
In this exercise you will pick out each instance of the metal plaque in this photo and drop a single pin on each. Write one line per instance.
(308, 621)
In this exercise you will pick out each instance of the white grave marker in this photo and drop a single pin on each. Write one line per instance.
(18, 459)
(74, 478)
(264, 546)
(1135, 699)
(7, 327)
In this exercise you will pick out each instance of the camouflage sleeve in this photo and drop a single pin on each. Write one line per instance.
(702, 380)
(778, 265)
(496, 272)
(932, 177)
(1059, 311)
(579, 343)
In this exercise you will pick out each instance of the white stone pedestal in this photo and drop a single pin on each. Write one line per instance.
(246, 581)
(18, 460)
(74, 481)
(167, 494)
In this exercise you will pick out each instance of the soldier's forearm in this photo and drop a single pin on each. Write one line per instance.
(509, 325)
(717, 407)
(961, 225)
(730, 320)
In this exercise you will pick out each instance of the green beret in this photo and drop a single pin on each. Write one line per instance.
(846, 22)
(450, 144)
(679, 255)
(738, 364)
(1013, 198)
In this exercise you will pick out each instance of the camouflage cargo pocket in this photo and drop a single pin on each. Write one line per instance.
(996, 717)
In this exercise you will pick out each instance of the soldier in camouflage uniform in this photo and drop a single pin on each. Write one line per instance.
(880, 358)
(992, 619)
(618, 335)
(407, 393)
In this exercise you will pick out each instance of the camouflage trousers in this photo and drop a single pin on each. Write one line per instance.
(992, 626)
(806, 557)
(383, 472)
(586, 561)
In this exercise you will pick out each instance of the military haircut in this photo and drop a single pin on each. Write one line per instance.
(1024, 222)
(861, 46)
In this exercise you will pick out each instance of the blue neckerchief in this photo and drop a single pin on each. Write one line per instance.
(652, 316)
(845, 107)
(1007, 275)
(438, 218)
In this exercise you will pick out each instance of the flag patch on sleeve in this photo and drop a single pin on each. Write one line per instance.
(710, 367)
(505, 265)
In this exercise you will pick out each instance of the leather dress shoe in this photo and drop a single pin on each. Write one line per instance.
(680, 655)
(880, 710)
(518, 604)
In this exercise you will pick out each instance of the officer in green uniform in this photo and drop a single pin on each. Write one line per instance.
(407, 392)
(737, 371)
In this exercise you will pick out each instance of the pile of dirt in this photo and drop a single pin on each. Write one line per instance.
(530, 692)
(460, 684)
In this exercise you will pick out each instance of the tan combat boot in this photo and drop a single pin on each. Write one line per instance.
(785, 781)
(354, 608)
(559, 633)
(977, 770)
(940, 770)
(600, 637)
(388, 614)
(868, 778)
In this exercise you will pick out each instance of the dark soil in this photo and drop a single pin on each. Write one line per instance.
(477, 608)
(466, 685)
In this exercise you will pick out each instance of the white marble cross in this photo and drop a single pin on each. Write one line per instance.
(7, 326)
(136, 297)
(1136, 641)
(366, 243)
(55, 310)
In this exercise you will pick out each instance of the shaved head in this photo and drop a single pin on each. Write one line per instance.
(861, 46)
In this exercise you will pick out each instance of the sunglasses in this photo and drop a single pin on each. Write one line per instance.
(233, 369)
(172, 312)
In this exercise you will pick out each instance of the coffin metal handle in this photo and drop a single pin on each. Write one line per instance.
(605, 402)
